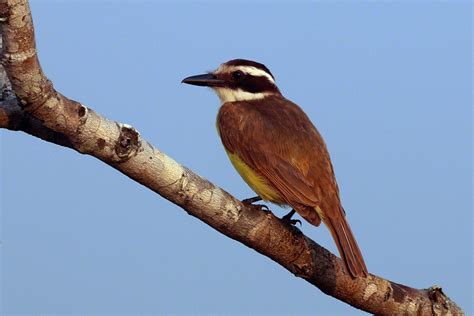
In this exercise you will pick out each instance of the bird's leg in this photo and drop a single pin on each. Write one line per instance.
(249, 202)
(252, 200)
(287, 218)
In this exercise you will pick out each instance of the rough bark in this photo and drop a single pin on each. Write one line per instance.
(32, 105)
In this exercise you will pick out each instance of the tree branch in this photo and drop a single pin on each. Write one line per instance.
(38, 109)
(13, 117)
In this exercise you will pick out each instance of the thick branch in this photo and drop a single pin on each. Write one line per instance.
(45, 113)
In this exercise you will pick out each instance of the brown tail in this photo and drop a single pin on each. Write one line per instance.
(347, 246)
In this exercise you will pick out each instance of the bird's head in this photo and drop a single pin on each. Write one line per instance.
(238, 80)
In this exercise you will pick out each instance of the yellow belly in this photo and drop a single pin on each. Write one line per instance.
(255, 181)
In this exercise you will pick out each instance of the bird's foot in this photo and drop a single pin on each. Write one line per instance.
(287, 218)
(249, 202)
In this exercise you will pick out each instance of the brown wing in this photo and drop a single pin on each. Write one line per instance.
(277, 140)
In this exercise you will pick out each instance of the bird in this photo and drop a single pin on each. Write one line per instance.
(278, 151)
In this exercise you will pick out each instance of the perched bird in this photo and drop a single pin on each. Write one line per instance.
(278, 151)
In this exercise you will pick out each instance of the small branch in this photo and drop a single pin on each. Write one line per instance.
(43, 112)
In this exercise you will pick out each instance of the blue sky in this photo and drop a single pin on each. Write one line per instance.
(389, 86)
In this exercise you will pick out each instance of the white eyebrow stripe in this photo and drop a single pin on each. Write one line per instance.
(253, 71)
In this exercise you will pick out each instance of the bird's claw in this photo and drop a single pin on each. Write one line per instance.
(295, 221)
(261, 207)
(290, 221)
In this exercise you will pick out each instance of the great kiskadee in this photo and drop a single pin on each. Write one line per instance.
(278, 151)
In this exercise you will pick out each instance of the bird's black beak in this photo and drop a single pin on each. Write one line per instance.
(207, 80)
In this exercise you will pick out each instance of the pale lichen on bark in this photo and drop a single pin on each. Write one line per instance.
(31, 104)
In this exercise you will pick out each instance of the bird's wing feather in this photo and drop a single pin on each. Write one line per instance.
(277, 140)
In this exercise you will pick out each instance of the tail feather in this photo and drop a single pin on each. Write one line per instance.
(347, 246)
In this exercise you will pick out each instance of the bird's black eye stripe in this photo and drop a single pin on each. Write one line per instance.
(237, 74)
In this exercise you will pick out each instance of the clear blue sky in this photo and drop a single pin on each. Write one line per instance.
(388, 85)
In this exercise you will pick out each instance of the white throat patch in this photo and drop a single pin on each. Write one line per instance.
(233, 95)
